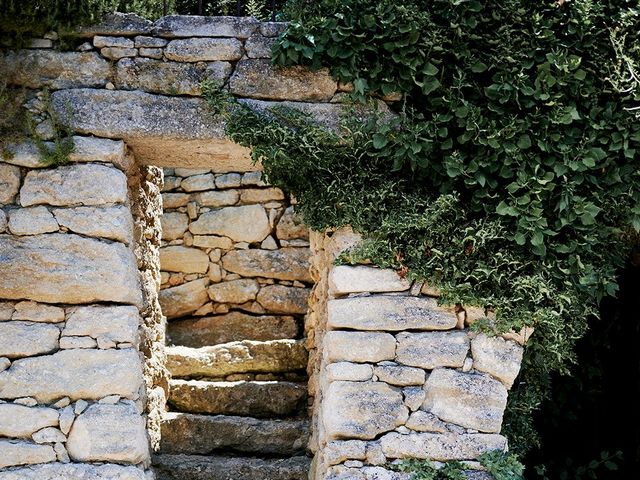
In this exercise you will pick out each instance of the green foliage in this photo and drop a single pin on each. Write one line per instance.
(12, 117)
(425, 470)
(597, 468)
(62, 145)
(509, 177)
(216, 96)
(502, 465)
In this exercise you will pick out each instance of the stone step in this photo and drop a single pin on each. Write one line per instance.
(275, 356)
(195, 467)
(206, 434)
(256, 399)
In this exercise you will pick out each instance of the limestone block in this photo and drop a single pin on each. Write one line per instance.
(22, 453)
(235, 291)
(7, 309)
(89, 374)
(399, 375)
(204, 49)
(422, 421)
(340, 346)
(174, 200)
(257, 78)
(272, 29)
(362, 410)
(258, 46)
(74, 471)
(37, 312)
(466, 399)
(9, 183)
(118, 323)
(440, 447)
(354, 372)
(242, 224)
(283, 264)
(3, 221)
(118, 24)
(174, 225)
(100, 41)
(282, 299)
(71, 185)
(109, 433)
(23, 339)
(149, 42)
(198, 183)
(79, 270)
(345, 279)
(291, 227)
(67, 343)
(155, 53)
(229, 180)
(114, 223)
(21, 422)
(413, 397)
(498, 357)
(49, 435)
(184, 299)
(32, 221)
(173, 26)
(392, 313)
(212, 241)
(183, 259)
(116, 53)
(433, 349)
(339, 451)
(218, 198)
(54, 69)
(261, 195)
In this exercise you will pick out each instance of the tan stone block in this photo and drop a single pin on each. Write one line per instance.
(399, 375)
(338, 451)
(354, 372)
(21, 422)
(32, 221)
(235, 291)
(114, 223)
(174, 225)
(23, 339)
(344, 279)
(22, 453)
(218, 198)
(290, 226)
(242, 224)
(183, 259)
(204, 49)
(184, 299)
(261, 195)
(283, 264)
(282, 299)
(498, 357)
(212, 241)
(38, 312)
(119, 323)
(9, 183)
(433, 349)
(373, 347)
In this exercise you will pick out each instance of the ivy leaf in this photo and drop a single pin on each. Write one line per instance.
(478, 67)
(430, 69)
(524, 142)
(506, 210)
(430, 85)
(380, 141)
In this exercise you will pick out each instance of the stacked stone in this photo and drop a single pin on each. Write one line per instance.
(71, 375)
(400, 377)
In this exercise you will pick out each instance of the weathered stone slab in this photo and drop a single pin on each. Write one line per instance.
(283, 264)
(433, 349)
(74, 471)
(74, 185)
(422, 421)
(174, 200)
(173, 26)
(114, 223)
(498, 357)
(54, 69)
(345, 279)
(32, 221)
(109, 433)
(174, 224)
(282, 299)
(393, 313)
(291, 226)
(197, 183)
(118, 24)
(399, 375)
(118, 324)
(22, 453)
(23, 339)
(204, 49)
(9, 183)
(354, 372)
(38, 312)
(3, 221)
(184, 299)
(235, 291)
(149, 42)
(466, 399)
(237, 357)
(359, 347)
(258, 46)
(258, 78)
(168, 78)
(183, 259)
(100, 41)
(21, 422)
(217, 198)
(362, 410)
(338, 451)
(253, 399)
(440, 447)
(242, 224)
(87, 374)
(234, 326)
(79, 270)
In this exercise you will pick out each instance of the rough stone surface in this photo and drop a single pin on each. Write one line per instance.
(9, 183)
(74, 185)
(108, 433)
(79, 270)
(88, 374)
(347, 371)
(433, 349)
(360, 347)
(22, 339)
(421, 421)
(257, 78)
(114, 223)
(3, 221)
(291, 227)
(469, 400)
(282, 299)
(38, 312)
(338, 451)
(362, 410)
(118, 324)
(74, 471)
(345, 279)
(237, 357)
(49, 435)
(184, 299)
(198, 183)
(258, 46)
(234, 326)
(440, 447)
(174, 224)
(218, 198)
(21, 422)
(119, 24)
(23, 453)
(202, 434)
(236, 291)
(100, 41)
(393, 313)
(183, 259)
(204, 49)
(173, 26)
(498, 357)
(242, 224)
(32, 221)
(283, 264)
(54, 69)
(399, 375)
(254, 399)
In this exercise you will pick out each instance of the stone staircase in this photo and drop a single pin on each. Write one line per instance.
(238, 412)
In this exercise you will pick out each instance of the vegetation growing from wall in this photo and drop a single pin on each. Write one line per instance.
(510, 176)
